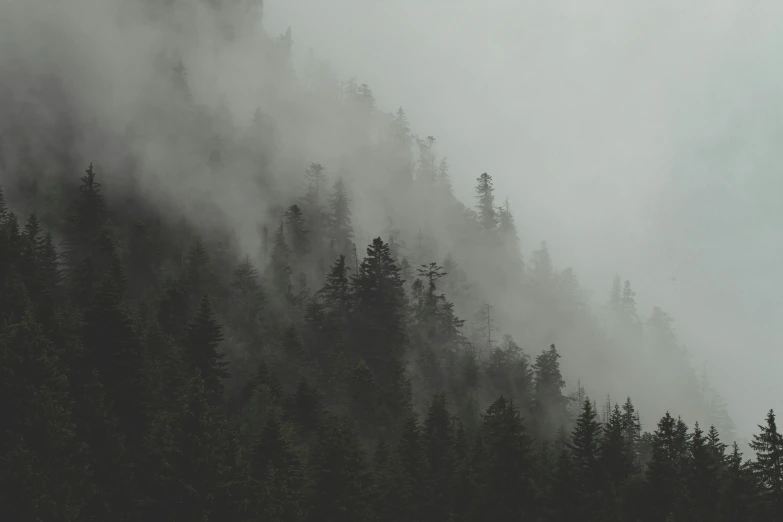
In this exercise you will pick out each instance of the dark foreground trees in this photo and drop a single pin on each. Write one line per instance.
(206, 400)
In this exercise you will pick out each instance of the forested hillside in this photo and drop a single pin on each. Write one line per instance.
(255, 296)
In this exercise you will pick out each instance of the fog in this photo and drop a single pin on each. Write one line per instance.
(637, 138)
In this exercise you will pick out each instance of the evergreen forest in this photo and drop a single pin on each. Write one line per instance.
(279, 310)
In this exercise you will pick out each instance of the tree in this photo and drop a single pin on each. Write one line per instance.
(280, 266)
(247, 301)
(665, 470)
(485, 193)
(439, 451)
(3, 208)
(198, 273)
(336, 292)
(340, 228)
(632, 431)
(197, 485)
(340, 478)
(276, 472)
(549, 403)
(541, 265)
(768, 445)
(505, 486)
(113, 346)
(379, 322)
(201, 351)
(702, 478)
(616, 452)
(297, 231)
(509, 235)
(585, 442)
(86, 218)
(42, 457)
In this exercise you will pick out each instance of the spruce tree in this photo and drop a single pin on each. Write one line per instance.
(340, 228)
(45, 473)
(201, 347)
(505, 485)
(380, 323)
(340, 486)
(199, 471)
(297, 231)
(485, 193)
(585, 451)
(768, 445)
(438, 439)
(549, 402)
(279, 268)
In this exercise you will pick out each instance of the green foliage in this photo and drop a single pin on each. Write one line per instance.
(152, 371)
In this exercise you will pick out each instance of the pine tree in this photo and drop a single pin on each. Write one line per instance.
(3, 208)
(336, 292)
(113, 346)
(306, 408)
(541, 265)
(632, 431)
(197, 270)
(505, 485)
(768, 445)
(340, 228)
(549, 402)
(509, 235)
(665, 470)
(485, 193)
(410, 479)
(616, 450)
(280, 266)
(563, 498)
(441, 460)
(44, 475)
(247, 302)
(380, 327)
(199, 472)
(742, 489)
(297, 231)
(702, 478)
(276, 473)
(201, 351)
(86, 218)
(340, 478)
(585, 441)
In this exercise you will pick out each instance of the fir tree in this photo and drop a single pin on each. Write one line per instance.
(201, 351)
(380, 322)
(585, 442)
(45, 475)
(340, 478)
(768, 445)
(280, 266)
(549, 402)
(340, 228)
(297, 231)
(199, 471)
(505, 490)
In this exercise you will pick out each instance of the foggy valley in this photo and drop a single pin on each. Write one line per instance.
(390, 260)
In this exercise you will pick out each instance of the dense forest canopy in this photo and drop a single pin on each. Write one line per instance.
(231, 293)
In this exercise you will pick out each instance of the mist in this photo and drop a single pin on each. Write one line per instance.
(636, 138)
(390, 260)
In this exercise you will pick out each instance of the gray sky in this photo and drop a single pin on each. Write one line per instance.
(635, 137)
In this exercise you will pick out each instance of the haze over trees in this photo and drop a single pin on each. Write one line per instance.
(272, 306)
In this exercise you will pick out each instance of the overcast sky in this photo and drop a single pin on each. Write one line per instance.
(635, 137)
